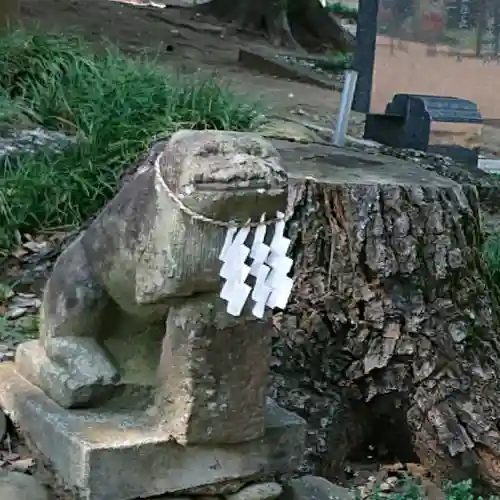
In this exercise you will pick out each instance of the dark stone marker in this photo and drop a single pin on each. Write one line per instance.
(430, 48)
(443, 125)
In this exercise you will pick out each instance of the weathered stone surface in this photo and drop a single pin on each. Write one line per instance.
(204, 400)
(315, 488)
(121, 455)
(260, 491)
(68, 384)
(18, 486)
(216, 490)
(111, 291)
(14, 141)
(171, 497)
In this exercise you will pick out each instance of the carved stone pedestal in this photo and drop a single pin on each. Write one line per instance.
(108, 454)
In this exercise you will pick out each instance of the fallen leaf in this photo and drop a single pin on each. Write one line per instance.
(16, 312)
(37, 247)
(21, 304)
(417, 470)
(23, 465)
(28, 324)
(396, 467)
(6, 292)
(19, 252)
(22, 295)
(13, 271)
(58, 237)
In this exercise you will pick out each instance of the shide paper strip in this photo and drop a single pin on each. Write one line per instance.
(267, 264)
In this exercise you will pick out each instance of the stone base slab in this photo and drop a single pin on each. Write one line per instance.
(120, 456)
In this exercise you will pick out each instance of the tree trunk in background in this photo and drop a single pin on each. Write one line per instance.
(9, 13)
(293, 24)
(315, 27)
(395, 320)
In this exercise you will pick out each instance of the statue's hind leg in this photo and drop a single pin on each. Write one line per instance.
(67, 362)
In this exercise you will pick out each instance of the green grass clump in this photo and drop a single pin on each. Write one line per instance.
(413, 491)
(491, 255)
(10, 111)
(112, 104)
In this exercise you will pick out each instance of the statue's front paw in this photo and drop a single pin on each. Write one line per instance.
(73, 371)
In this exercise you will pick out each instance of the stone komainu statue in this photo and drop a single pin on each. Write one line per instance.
(132, 305)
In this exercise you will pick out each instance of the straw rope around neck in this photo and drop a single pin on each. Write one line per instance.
(209, 220)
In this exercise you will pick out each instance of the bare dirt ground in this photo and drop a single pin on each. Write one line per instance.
(186, 43)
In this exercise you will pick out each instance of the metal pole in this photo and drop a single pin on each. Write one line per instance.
(350, 79)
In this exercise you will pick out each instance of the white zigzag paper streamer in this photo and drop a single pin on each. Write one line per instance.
(267, 264)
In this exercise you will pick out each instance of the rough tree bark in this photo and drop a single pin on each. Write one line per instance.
(9, 13)
(394, 317)
(294, 24)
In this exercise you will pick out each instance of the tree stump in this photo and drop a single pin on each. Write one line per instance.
(393, 317)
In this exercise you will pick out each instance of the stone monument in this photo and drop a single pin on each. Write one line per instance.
(140, 383)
